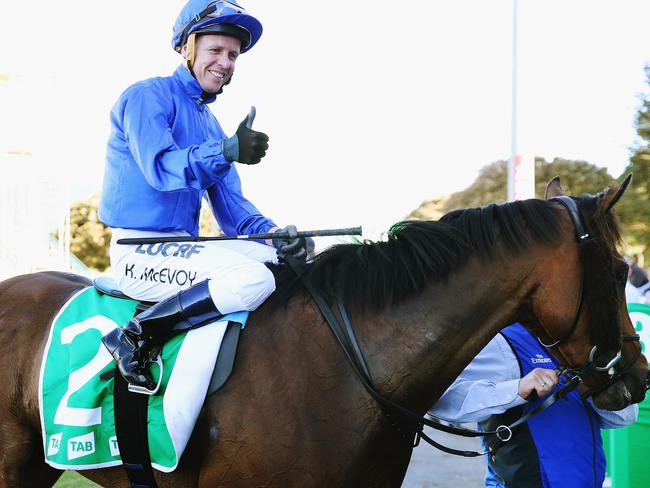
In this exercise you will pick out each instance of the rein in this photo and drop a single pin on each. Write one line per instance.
(394, 413)
(415, 422)
(583, 237)
(347, 340)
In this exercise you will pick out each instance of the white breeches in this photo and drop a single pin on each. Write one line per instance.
(238, 279)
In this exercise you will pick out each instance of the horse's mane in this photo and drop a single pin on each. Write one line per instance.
(373, 275)
(601, 288)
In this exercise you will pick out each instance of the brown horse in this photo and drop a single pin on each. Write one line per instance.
(422, 304)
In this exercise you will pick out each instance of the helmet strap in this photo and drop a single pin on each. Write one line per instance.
(190, 55)
(189, 51)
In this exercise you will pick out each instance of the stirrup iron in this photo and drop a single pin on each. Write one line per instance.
(146, 391)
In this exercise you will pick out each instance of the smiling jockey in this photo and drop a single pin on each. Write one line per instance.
(166, 152)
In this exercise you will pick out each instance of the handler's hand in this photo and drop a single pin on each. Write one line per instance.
(539, 380)
(247, 146)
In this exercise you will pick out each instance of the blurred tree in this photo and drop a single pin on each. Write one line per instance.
(577, 177)
(634, 209)
(207, 222)
(430, 210)
(89, 237)
(491, 185)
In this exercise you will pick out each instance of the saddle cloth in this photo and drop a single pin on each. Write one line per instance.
(76, 385)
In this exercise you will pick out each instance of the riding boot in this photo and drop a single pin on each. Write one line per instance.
(135, 345)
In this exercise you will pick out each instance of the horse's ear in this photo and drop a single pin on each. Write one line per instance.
(553, 189)
(612, 195)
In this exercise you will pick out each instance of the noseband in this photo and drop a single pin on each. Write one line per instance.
(579, 373)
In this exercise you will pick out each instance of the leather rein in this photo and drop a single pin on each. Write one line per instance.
(411, 424)
(578, 373)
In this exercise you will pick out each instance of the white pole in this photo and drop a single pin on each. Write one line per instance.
(512, 162)
(66, 251)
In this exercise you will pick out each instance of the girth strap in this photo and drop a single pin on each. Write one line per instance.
(132, 436)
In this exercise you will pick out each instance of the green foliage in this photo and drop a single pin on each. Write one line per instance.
(577, 177)
(72, 479)
(89, 237)
(207, 223)
(491, 185)
(430, 210)
(634, 208)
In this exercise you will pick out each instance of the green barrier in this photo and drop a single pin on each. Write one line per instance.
(627, 448)
(606, 435)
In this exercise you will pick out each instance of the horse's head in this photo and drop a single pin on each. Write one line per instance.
(588, 326)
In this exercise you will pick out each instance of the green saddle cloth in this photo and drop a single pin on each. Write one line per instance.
(76, 396)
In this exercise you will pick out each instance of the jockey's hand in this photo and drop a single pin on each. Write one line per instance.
(298, 247)
(540, 380)
(247, 146)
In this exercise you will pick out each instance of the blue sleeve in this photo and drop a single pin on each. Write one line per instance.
(234, 213)
(488, 385)
(166, 167)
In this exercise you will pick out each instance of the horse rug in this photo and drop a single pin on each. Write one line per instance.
(76, 385)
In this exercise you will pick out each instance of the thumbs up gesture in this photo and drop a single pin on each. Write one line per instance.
(247, 146)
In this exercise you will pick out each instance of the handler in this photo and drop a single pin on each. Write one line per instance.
(561, 447)
(166, 152)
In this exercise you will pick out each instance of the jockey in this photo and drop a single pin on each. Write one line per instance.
(166, 152)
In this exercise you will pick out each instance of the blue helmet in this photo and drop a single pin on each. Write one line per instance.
(218, 17)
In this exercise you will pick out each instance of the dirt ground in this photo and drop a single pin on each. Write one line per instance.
(432, 468)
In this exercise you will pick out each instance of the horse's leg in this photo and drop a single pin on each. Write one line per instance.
(22, 461)
(21, 456)
(27, 305)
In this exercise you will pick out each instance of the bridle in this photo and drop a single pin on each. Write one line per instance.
(410, 424)
(405, 421)
(579, 373)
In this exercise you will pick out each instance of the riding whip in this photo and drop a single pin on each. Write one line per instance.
(350, 231)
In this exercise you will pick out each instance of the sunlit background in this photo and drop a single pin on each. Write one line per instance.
(372, 107)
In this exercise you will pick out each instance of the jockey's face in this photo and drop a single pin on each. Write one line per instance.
(214, 60)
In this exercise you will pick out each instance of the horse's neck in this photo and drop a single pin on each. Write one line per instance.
(415, 350)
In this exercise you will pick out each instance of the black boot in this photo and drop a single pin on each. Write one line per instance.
(133, 345)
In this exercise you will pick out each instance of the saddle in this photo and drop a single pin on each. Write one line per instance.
(227, 352)
(131, 409)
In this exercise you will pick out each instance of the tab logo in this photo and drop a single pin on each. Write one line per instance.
(82, 445)
(112, 445)
(55, 444)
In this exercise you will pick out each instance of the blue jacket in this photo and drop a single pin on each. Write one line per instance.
(559, 448)
(164, 153)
